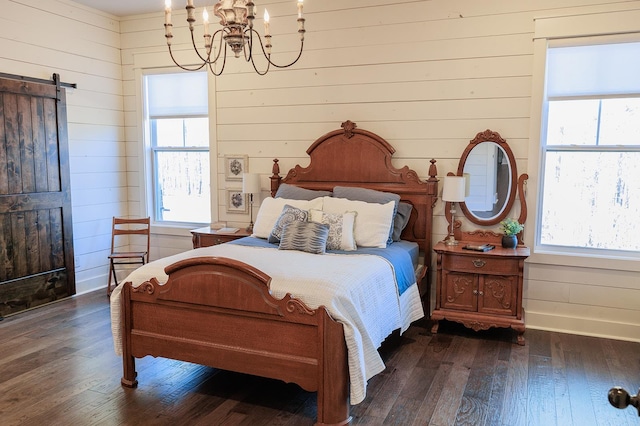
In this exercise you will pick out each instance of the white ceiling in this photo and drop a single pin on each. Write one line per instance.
(134, 7)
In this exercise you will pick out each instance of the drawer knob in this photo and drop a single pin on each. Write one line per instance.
(479, 263)
(478, 292)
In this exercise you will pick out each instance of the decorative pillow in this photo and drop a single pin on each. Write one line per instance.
(293, 192)
(305, 236)
(401, 219)
(365, 194)
(368, 196)
(373, 221)
(270, 211)
(289, 214)
(340, 229)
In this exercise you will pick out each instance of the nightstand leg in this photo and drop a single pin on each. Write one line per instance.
(434, 327)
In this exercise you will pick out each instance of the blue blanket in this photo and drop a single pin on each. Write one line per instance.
(396, 253)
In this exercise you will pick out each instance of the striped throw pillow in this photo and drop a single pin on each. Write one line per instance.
(310, 237)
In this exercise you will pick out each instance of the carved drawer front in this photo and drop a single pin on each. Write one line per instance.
(212, 240)
(480, 265)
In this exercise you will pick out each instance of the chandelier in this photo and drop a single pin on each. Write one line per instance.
(237, 32)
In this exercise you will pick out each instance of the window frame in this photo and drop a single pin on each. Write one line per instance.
(156, 64)
(545, 149)
(568, 30)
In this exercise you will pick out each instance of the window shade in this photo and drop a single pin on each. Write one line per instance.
(177, 95)
(601, 69)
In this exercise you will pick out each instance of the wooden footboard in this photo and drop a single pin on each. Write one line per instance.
(218, 312)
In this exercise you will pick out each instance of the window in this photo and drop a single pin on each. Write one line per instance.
(178, 139)
(590, 188)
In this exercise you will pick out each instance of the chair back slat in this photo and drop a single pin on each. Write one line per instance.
(128, 226)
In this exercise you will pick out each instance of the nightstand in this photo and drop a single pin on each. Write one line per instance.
(205, 237)
(480, 289)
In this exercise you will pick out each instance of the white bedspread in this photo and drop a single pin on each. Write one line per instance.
(358, 290)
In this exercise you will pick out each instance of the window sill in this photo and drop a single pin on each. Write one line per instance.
(175, 230)
(545, 256)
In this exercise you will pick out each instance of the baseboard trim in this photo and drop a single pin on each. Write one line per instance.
(92, 284)
(583, 326)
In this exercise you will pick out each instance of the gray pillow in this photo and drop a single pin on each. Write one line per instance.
(369, 196)
(310, 237)
(293, 192)
(289, 214)
(366, 195)
(401, 219)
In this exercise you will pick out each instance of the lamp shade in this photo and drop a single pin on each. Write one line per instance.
(250, 183)
(453, 189)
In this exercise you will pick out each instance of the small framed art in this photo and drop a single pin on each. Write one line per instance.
(237, 201)
(235, 166)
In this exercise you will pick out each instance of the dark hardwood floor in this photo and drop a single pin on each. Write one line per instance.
(58, 367)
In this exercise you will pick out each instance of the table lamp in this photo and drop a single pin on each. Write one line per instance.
(250, 185)
(453, 191)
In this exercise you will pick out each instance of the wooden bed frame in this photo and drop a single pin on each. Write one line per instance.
(219, 312)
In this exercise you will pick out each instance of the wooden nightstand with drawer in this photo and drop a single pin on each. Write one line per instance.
(205, 237)
(480, 289)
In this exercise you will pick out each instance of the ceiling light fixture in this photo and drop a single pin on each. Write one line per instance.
(236, 18)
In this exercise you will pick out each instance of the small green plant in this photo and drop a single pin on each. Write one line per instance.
(511, 226)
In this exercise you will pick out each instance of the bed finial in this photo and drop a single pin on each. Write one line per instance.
(348, 126)
(275, 177)
(433, 171)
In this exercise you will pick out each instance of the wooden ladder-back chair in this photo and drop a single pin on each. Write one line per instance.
(127, 227)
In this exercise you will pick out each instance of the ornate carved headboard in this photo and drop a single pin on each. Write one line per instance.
(355, 157)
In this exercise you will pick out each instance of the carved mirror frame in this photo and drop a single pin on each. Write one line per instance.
(516, 183)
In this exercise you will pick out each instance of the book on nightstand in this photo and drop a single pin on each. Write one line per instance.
(483, 247)
(227, 230)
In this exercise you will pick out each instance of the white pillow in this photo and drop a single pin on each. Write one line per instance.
(341, 228)
(270, 211)
(373, 220)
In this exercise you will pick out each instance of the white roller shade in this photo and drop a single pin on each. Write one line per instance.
(601, 69)
(177, 95)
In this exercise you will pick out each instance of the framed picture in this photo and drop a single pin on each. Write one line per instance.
(235, 166)
(237, 201)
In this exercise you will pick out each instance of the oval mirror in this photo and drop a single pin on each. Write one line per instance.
(491, 178)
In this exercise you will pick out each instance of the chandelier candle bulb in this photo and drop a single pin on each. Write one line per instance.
(266, 23)
(300, 9)
(205, 20)
(167, 12)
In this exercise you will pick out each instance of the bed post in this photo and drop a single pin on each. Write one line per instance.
(275, 177)
(333, 373)
(432, 191)
(128, 361)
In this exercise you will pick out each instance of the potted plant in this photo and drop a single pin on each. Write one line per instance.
(510, 228)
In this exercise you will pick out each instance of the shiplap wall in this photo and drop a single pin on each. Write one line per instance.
(426, 79)
(42, 37)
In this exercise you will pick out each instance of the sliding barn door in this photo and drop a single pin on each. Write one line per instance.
(36, 242)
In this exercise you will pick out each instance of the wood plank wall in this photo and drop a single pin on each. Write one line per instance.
(427, 76)
(42, 37)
